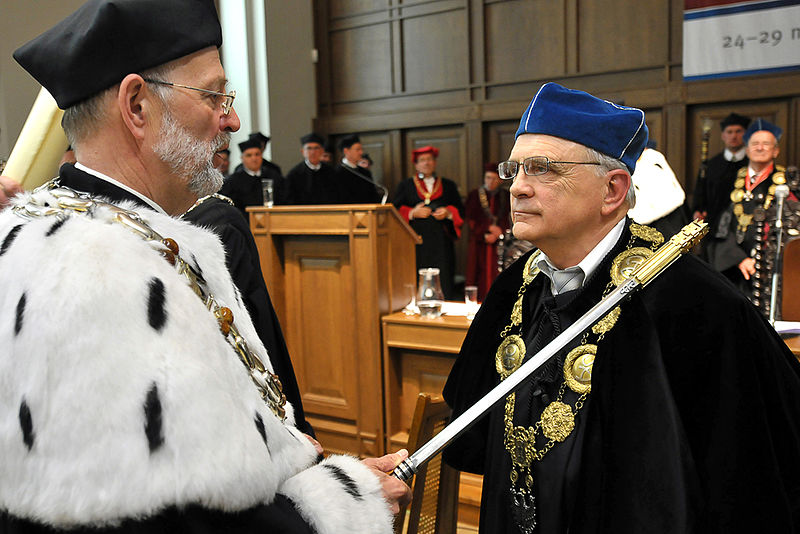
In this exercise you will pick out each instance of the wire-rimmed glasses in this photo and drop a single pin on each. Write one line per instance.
(227, 98)
(532, 166)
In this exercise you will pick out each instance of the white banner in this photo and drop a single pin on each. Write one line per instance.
(724, 39)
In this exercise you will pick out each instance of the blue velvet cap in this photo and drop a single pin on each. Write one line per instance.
(616, 131)
(760, 124)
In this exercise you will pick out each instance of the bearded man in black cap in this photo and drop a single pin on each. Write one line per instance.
(662, 417)
(138, 396)
(712, 191)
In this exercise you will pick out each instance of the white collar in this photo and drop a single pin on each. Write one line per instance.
(346, 161)
(588, 264)
(735, 156)
(316, 167)
(257, 173)
(105, 178)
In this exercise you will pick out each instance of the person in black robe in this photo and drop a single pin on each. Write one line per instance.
(262, 141)
(713, 188)
(218, 213)
(691, 418)
(312, 181)
(733, 247)
(432, 206)
(244, 186)
(355, 180)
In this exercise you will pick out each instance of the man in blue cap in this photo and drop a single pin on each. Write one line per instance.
(660, 418)
(137, 396)
(735, 240)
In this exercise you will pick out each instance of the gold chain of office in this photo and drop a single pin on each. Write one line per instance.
(68, 200)
(557, 420)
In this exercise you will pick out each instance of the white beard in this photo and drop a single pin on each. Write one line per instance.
(189, 156)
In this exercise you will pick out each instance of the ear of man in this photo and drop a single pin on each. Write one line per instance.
(136, 105)
(617, 183)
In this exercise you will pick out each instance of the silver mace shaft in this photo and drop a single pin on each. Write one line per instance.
(680, 243)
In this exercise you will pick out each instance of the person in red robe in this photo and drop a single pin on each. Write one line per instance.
(432, 206)
(487, 214)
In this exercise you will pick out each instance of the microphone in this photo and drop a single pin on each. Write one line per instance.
(375, 184)
(781, 192)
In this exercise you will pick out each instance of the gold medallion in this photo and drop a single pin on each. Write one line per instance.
(737, 195)
(578, 368)
(519, 443)
(607, 323)
(531, 268)
(738, 209)
(648, 234)
(739, 183)
(558, 421)
(778, 178)
(627, 262)
(771, 190)
(744, 221)
(516, 312)
(509, 356)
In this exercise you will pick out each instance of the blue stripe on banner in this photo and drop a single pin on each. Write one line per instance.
(740, 8)
(739, 73)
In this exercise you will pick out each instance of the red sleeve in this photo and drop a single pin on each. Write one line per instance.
(457, 220)
(405, 211)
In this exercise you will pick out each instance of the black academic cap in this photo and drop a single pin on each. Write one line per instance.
(735, 119)
(312, 138)
(348, 140)
(105, 40)
(261, 138)
(250, 143)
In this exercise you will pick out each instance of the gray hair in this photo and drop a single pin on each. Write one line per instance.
(607, 163)
(85, 117)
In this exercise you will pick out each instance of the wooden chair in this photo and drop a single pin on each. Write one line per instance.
(434, 501)
(790, 290)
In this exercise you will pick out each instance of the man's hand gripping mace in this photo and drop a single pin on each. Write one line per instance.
(680, 243)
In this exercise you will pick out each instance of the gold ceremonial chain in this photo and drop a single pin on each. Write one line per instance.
(557, 420)
(740, 193)
(201, 200)
(423, 191)
(69, 200)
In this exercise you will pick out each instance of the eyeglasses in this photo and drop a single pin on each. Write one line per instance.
(227, 98)
(533, 166)
(758, 144)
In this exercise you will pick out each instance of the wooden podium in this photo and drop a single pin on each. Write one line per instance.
(332, 272)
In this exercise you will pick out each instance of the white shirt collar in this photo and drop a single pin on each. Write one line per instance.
(735, 156)
(588, 264)
(252, 173)
(316, 167)
(429, 181)
(346, 161)
(112, 181)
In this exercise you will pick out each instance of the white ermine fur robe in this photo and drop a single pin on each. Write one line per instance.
(119, 396)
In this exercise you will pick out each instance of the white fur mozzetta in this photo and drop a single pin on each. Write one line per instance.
(119, 396)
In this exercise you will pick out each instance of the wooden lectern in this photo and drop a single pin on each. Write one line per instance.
(332, 272)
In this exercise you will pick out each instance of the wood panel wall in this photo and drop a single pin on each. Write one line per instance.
(459, 73)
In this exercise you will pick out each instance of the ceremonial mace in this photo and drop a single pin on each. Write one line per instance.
(680, 243)
(781, 192)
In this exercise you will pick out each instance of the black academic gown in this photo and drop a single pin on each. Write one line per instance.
(437, 248)
(245, 190)
(693, 423)
(712, 193)
(241, 257)
(304, 186)
(280, 516)
(357, 185)
(725, 249)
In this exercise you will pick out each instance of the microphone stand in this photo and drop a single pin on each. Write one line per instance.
(666, 255)
(377, 185)
(781, 192)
